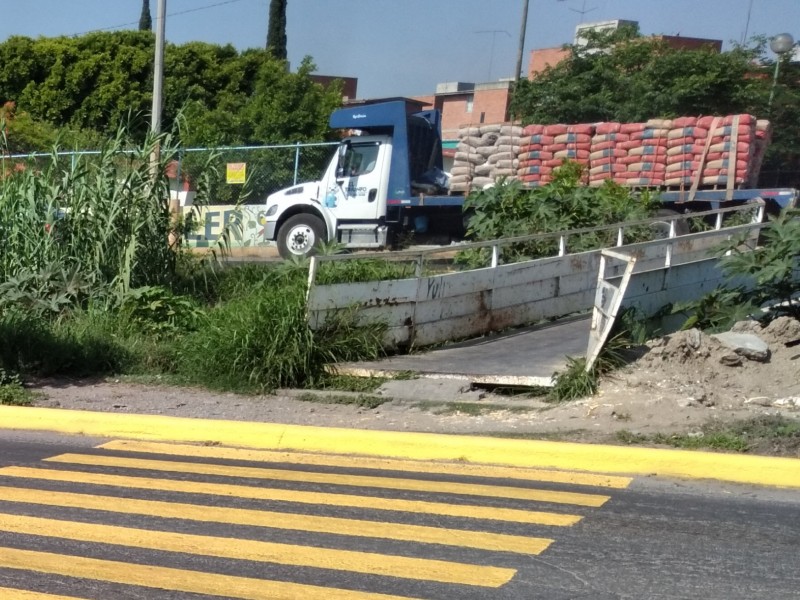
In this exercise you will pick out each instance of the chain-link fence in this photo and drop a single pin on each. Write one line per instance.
(267, 168)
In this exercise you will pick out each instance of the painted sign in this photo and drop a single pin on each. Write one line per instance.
(243, 225)
(235, 173)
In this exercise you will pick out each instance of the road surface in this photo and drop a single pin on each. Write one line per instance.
(92, 518)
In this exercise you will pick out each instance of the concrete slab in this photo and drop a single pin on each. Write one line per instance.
(526, 357)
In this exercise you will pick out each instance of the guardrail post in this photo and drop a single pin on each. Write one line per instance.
(620, 236)
(562, 245)
(495, 256)
(418, 267)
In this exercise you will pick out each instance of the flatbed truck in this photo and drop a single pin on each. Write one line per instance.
(387, 178)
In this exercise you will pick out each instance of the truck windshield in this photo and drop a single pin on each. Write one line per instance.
(361, 158)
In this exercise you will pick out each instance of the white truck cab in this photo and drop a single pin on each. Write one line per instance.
(374, 182)
(348, 200)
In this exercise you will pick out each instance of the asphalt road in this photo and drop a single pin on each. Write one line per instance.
(104, 519)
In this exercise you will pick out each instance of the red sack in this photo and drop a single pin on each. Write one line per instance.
(604, 128)
(532, 129)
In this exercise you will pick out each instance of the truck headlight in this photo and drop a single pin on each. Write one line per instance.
(272, 210)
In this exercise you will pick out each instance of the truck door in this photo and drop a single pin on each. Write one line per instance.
(353, 189)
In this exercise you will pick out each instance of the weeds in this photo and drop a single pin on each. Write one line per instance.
(777, 435)
(260, 340)
(12, 392)
(473, 409)
(579, 382)
(771, 269)
(351, 383)
(362, 400)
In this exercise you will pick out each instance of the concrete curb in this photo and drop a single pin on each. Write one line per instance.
(758, 470)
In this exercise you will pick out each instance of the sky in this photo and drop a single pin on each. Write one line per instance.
(405, 47)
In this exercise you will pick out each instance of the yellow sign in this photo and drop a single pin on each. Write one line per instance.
(235, 172)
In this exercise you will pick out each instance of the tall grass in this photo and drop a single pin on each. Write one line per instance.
(89, 284)
(260, 338)
(88, 229)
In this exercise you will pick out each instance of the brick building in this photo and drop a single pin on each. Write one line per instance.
(349, 84)
(549, 57)
(469, 104)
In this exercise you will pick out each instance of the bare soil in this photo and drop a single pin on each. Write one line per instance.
(679, 384)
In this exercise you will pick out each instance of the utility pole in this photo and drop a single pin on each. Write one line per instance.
(521, 48)
(158, 68)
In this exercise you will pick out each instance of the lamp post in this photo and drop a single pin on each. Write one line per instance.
(780, 45)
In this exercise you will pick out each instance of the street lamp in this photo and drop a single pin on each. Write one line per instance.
(780, 45)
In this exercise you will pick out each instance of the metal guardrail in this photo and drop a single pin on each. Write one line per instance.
(421, 255)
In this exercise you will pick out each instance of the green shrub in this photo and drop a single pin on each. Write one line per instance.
(772, 270)
(155, 310)
(12, 391)
(508, 210)
(260, 339)
(82, 345)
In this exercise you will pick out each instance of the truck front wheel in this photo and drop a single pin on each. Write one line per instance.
(300, 236)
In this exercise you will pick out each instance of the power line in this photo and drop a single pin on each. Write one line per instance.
(747, 22)
(494, 33)
(174, 14)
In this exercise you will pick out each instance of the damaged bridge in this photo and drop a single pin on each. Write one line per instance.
(516, 324)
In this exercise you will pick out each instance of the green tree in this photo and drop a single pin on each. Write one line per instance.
(276, 34)
(145, 20)
(622, 76)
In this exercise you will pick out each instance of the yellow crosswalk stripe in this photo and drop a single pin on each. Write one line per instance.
(165, 578)
(415, 485)
(320, 498)
(362, 462)
(14, 594)
(368, 563)
(497, 542)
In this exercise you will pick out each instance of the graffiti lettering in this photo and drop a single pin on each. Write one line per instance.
(435, 287)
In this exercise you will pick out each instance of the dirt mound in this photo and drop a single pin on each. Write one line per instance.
(701, 367)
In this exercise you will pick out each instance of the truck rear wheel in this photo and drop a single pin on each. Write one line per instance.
(300, 236)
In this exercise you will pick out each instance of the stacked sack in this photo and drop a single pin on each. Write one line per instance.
(605, 151)
(712, 151)
(684, 144)
(728, 151)
(484, 155)
(546, 147)
(645, 156)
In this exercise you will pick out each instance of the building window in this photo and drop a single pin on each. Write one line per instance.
(470, 103)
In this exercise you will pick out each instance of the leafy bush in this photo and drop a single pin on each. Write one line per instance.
(508, 210)
(772, 270)
(773, 266)
(157, 311)
(12, 391)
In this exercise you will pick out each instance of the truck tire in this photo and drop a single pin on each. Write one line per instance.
(661, 228)
(300, 236)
